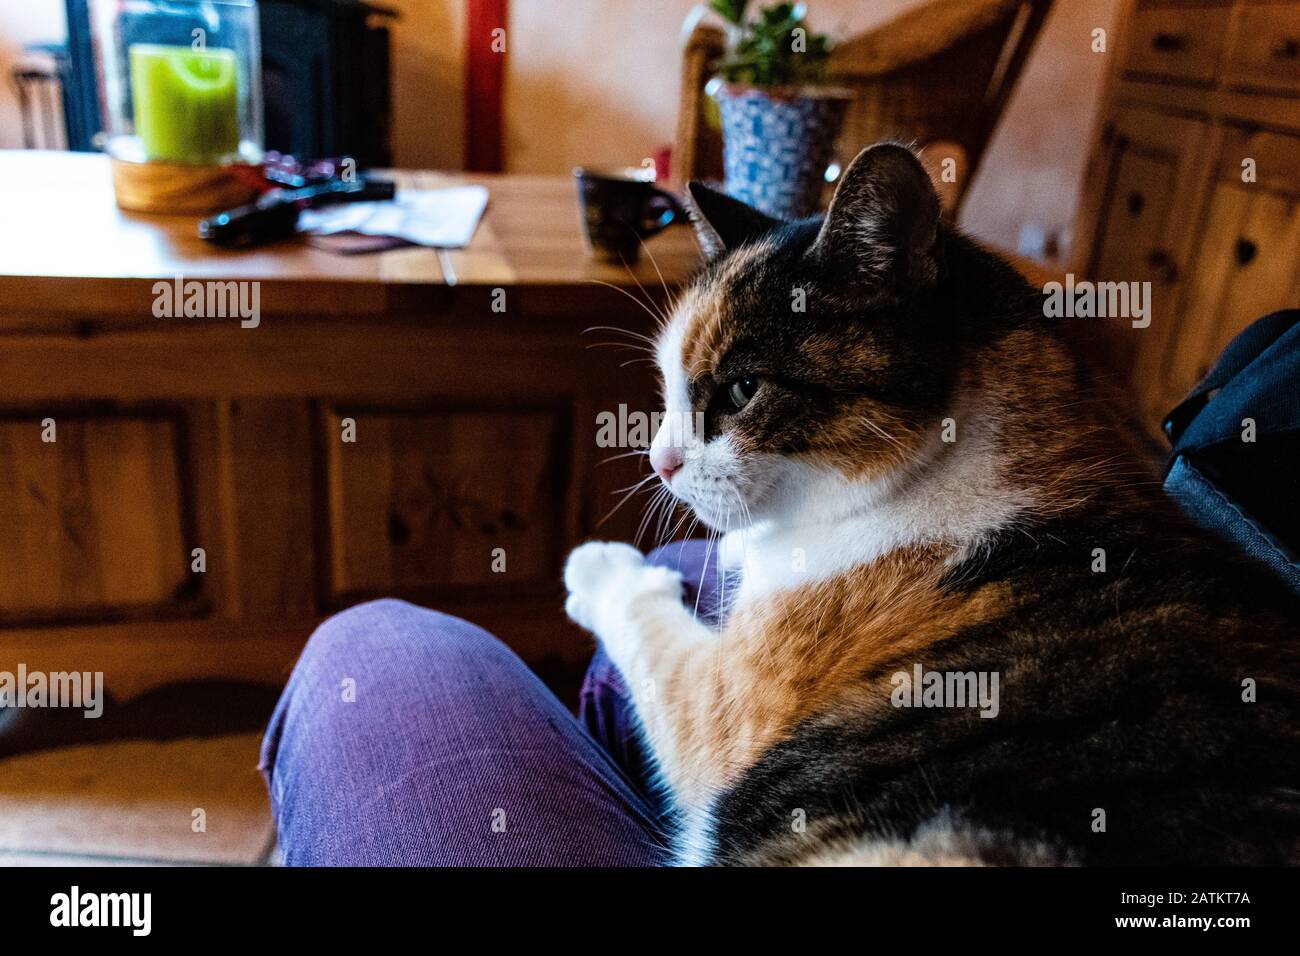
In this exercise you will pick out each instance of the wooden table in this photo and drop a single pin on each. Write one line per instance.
(475, 429)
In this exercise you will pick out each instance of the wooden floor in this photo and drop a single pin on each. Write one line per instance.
(134, 803)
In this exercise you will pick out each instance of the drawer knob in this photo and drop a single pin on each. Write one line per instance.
(1245, 251)
(1136, 203)
(1168, 42)
(1163, 263)
(1287, 48)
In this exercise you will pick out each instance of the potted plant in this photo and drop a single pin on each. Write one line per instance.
(779, 117)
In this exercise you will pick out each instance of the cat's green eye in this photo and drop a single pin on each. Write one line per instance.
(741, 391)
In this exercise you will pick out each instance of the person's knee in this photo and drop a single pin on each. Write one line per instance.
(361, 624)
(387, 645)
(393, 634)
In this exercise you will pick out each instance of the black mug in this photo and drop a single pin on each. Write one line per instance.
(619, 210)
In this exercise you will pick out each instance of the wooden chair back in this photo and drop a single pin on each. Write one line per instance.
(940, 73)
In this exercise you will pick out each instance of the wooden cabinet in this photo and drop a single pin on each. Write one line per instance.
(1193, 186)
(401, 425)
(453, 467)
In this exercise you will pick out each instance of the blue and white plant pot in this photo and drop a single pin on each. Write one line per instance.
(776, 147)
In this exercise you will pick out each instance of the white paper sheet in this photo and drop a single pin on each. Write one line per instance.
(444, 218)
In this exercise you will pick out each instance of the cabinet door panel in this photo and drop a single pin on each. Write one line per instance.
(1138, 216)
(1247, 268)
(423, 498)
(94, 521)
(1144, 234)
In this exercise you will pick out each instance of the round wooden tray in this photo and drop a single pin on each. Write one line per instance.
(174, 188)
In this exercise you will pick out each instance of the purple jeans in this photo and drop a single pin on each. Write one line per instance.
(406, 737)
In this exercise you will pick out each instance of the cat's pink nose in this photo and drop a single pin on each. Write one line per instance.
(666, 461)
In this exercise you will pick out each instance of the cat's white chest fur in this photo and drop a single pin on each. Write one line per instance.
(828, 523)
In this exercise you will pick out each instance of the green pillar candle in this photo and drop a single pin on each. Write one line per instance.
(186, 102)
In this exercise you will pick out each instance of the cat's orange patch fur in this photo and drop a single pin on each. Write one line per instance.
(710, 330)
(721, 704)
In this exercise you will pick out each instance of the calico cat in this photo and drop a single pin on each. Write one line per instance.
(878, 413)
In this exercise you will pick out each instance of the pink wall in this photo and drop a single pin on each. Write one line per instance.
(1033, 170)
(596, 81)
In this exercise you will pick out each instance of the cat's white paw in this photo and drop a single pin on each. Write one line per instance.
(604, 577)
(592, 564)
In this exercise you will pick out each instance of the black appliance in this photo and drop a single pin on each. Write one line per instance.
(325, 79)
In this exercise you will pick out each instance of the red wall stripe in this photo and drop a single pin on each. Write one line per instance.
(485, 70)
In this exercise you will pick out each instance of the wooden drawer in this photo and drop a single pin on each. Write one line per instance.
(1177, 42)
(1265, 51)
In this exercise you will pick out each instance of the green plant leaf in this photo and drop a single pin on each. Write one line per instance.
(733, 11)
(765, 53)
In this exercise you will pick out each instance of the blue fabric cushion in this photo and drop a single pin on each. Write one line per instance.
(1245, 491)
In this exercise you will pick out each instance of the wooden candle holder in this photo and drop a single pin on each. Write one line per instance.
(179, 189)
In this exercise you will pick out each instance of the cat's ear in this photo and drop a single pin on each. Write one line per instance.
(885, 218)
(722, 223)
